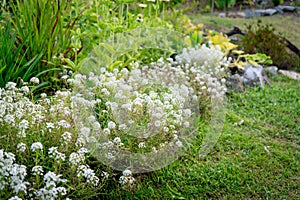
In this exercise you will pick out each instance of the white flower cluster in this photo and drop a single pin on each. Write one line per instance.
(148, 101)
(51, 190)
(86, 172)
(36, 146)
(157, 98)
(126, 178)
(205, 67)
(56, 155)
(154, 98)
(78, 157)
(15, 109)
(31, 126)
(11, 174)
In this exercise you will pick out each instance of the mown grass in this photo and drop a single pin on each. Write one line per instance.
(287, 26)
(258, 159)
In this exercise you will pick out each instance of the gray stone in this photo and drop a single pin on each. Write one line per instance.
(279, 10)
(222, 15)
(291, 74)
(235, 83)
(266, 12)
(249, 14)
(271, 70)
(287, 8)
(255, 76)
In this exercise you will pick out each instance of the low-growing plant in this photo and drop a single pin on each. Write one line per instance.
(254, 59)
(39, 155)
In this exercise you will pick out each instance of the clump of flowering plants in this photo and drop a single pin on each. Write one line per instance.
(41, 156)
(136, 120)
(148, 113)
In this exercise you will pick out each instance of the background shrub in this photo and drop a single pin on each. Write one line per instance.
(263, 39)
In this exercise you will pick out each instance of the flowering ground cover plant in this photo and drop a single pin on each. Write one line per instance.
(39, 150)
(47, 146)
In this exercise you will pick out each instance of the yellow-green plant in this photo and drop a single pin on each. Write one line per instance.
(254, 59)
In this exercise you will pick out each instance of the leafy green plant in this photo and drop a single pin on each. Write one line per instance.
(277, 2)
(224, 4)
(263, 39)
(13, 65)
(41, 29)
(254, 59)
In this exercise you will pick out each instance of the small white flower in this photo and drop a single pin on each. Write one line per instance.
(105, 174)
(25, 89)
(142, 145)
(37, 170)
(15, 198)
(51, 176)
(64, 124)
(157, 123)
(127, 172)
(105, 92)
(80, 142)
(179, 143)
(88, 174)
(175, 136)
(66, 137)
(35, 80)
(54, 153)
(122, 126)
(126, 179)
(35, 146)
(21, 147)
(166, 129)
(123, 180)
(50, 126)
(96, 126)
(10, 85)
(23, 124)
(111, 125)
(117, 140)
(186, 124)
(43, 95)
(64, 77)
(83, 151)
(9, 119)
(76, 159)
(85, 131)
(91, 118)
(106, 131)
(187, 112)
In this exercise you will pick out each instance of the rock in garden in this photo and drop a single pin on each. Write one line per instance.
(266, 12)
(279, 10)
(255, 76)
(271, 70)
(291, 74)
(222, 15)
(249, 14)
(287, 8)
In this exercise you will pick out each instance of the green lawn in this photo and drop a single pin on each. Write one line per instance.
(258, 159)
